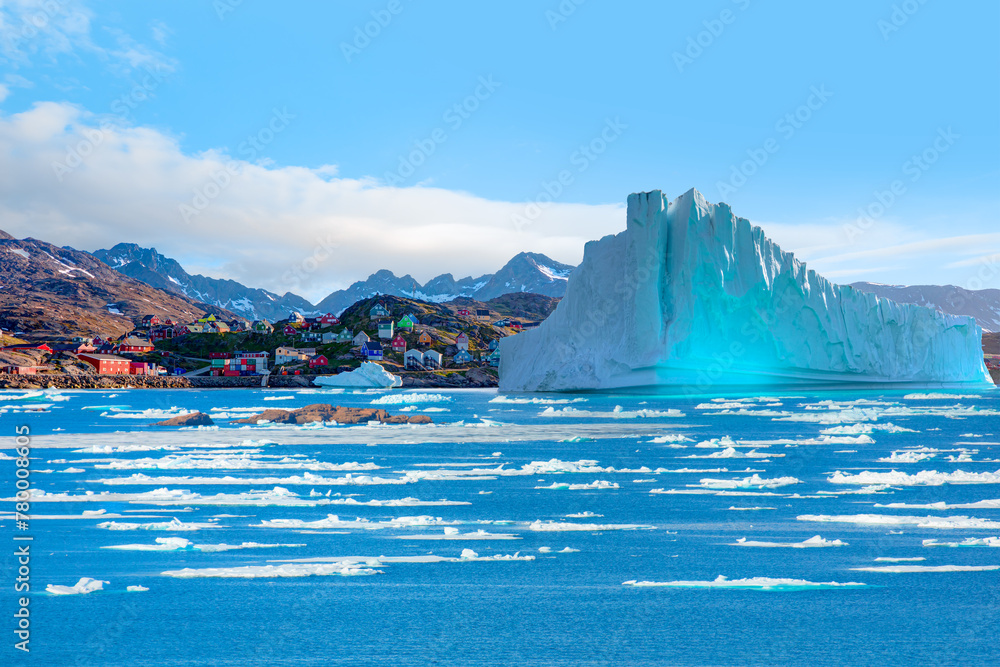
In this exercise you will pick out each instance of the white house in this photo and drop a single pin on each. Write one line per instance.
(361, 338)
(462, 342)
(284, 355)
(433, 359)
(413, 358)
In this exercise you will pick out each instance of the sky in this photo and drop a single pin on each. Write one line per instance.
(302, 146)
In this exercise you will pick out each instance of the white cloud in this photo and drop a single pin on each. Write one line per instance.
(38, 32)
(266, 227)
(4, 92)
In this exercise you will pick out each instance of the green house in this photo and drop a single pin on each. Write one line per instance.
(345, 336)
(407, 322)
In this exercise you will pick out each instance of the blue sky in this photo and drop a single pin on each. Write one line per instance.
(347, 152)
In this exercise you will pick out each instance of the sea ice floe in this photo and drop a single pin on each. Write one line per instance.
(82, 587)
(164, 496)
(151, 413)
(967, 542)
(750, 509)
(398, 502)
(858, 429)
(584, 515)
(563, 526)
(754, 583)
(174, 524)
(136, 589)
(887, 559)
(944, 523)
(753, 482)
(306, 478)
(939, 396)
(229, 462)
(332, 521)
(468, 555)
(409, 398)
(908, 456)
(181, 544)
(812, 542)
(595, 485)
(346, 568)
(733, 453)
(921, 478)
(617, 413)
(454, 534)
(536, 401)
(980, 504)
(669, 438)
(927, 568)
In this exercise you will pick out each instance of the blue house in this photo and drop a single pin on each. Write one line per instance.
(372, 350)
(463, 357)
(377, 311)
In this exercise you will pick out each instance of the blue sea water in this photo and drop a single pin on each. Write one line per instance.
(559, 608)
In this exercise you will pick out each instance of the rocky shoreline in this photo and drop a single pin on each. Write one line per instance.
(474, 378)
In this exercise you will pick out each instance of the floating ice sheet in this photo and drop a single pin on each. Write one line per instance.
(944, 523)
(921, 478)
(812, 542)
(927, 568)
(967, 542)
(754, 583)
(82, 587)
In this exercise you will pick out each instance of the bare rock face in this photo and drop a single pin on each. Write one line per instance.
(192, 419)
(323, 412)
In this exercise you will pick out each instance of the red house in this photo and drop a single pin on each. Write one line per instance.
(289, 330)
(318, 360)
(106, 364)
(398, 344)
(463, 312)
(329, 319)
(132, 344)
(19, 370)
(150, 321)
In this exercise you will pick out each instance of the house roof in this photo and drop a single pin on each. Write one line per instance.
(103, 357)
(132, 341)
(372, 345)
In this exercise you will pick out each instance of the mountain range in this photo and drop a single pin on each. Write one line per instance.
(56, 291)
(983, 305)
(526, 272)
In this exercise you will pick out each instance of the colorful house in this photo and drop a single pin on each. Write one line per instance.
(482, 313)
(407, 322)
(493, 358)
(296, 317)
(218, 327)
(463, 357)
(289, 330)
(205, 319)
(413, 359)
(398, 344)
(433, 359)
(463, 312)
(345, 336)
(372, 350)
(494, 344)
(107, 364)
(385, 329)
(150, 321)
(318, 360)
(329, 319)
(502, 323)
(19, 370)
(135, 345)
(462, 341)
(262, 326)
(425, 339)
(285, 355)
(377, 311)
(361, 338)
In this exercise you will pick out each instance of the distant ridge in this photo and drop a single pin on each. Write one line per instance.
(983, 305)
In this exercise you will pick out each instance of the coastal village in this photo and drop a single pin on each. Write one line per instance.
(424, 342)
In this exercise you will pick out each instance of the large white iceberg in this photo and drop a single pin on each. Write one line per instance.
(368, 375)
(691, 295)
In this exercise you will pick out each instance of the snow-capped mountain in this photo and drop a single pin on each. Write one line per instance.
(526, 272)
(983, 305)
(53, 291)
(691, 295)
(154, 269)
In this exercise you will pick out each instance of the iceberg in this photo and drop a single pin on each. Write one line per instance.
(368, 375)
(691, 295)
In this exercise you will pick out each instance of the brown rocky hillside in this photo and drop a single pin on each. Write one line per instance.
(48, 291)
